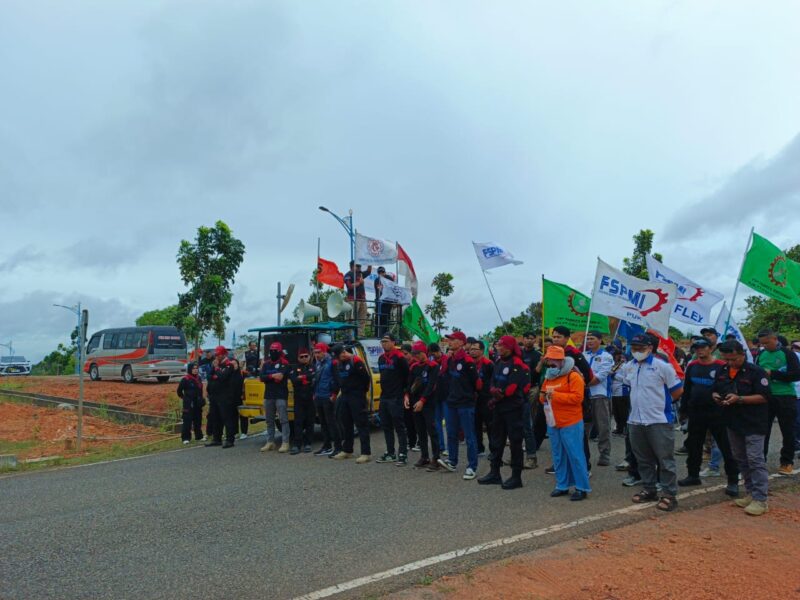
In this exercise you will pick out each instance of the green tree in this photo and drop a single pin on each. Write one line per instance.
(770, 313)
(636, 265)
(208, 267)
(60, 361)
(437, 309)
(529, 319)
(160, 316)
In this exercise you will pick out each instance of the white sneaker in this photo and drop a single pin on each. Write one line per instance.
(709, 472)
(185, 442)
(469, 474)
(242, 436)
(205, 438)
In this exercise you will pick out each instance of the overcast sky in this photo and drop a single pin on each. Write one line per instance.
(557, 129)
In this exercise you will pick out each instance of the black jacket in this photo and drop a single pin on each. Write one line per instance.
(393, 368)
(251, 362)
(510, 384)
(697, 387)
(302, 377)
(351, 378)
(422, 380)
(191, 392)
(463, 380)
(485, 369)
(275, 390)
(745, 419)
(219, 382)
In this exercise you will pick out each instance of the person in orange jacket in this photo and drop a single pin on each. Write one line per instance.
(562, 395)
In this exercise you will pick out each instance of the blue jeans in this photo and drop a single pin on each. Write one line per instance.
(797, 428)
(438, 416)
(716, 457)
(463, 418)
(569, 459)
(527, 429)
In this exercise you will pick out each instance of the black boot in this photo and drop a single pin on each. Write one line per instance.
(491, 478)
(513, 482)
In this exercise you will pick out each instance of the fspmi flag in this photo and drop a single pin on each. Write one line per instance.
(640, 302)
(374, 251)
(492, 255)
(733, 329)
(693, 304)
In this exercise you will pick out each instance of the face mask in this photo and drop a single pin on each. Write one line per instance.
(640, 356)
(552, 372)
(274, 354)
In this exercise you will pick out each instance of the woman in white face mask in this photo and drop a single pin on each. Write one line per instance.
(562, 396)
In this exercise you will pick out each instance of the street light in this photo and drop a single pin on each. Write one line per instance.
(77, 310)
(347, 225)
(83, 322)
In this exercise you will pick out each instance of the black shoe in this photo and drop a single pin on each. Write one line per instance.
(491, 478)
(687, 481)
(306, 448)
(550, 470)
(682, 451)
(209, 444)
(732, 490)
(512, 483)
(322, 452)
(227, 444)
(556, 493)
(577, 496)
(294, 450)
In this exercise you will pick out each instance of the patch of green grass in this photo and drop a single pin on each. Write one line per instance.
(11, 383)
(427, 580)
(8, 447)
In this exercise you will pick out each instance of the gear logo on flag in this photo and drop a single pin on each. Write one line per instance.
(698, 293)
(778, 272)
(578, 305)
(375, 247)
(661, 299)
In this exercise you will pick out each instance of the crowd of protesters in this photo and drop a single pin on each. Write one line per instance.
(435, 399)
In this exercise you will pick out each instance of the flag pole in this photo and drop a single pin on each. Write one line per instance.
(318, 284)
(543, 329)
(502, 322)
(736, 287)
(397, 281)
(589, 316)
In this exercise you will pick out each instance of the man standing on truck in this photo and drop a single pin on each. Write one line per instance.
(351, 379)
(393, 368)
(275, 374)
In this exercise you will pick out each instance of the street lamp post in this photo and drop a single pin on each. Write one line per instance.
(10, 346)
(83, 322)
(347, 225)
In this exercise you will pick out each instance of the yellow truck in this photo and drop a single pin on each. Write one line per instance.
(294, 337)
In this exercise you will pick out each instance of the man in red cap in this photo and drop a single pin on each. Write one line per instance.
(222, 408)
(351, 381)
(275, 373)
(463, 384)
(422, 378)
(393, 368)
(510, 384)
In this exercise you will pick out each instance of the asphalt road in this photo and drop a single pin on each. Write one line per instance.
(209, 523)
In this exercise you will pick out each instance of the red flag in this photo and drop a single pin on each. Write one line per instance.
(667, 347)
(406, 267)
(329, 274)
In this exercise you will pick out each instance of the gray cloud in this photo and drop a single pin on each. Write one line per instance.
(27, 255)
(759, 190)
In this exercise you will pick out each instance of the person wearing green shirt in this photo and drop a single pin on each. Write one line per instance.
(783, 368)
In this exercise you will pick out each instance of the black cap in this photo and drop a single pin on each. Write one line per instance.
(389, 337)
(337, 349)
(701, 343)
(641, 340)
(705, 330)
(597, 334)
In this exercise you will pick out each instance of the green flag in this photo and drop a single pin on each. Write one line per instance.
(768, 270)
(414, 320)
(568, 307)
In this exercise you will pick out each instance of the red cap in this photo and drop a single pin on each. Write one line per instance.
(276, 346)
(419, 347)
(302, 351)
(220, 351)
(457, 335)
(510, 342)
(322, 347)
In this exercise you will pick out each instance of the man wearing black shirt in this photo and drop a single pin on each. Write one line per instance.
(742, 390)
(351, 380)
(531, 357)
(393, 368)
(251, 360)
(704, 415)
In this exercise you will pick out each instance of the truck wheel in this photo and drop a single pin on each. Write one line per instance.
(94, 373)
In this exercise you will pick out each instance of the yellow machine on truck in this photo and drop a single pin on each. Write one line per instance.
(294, 337)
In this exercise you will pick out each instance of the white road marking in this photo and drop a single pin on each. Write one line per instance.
(453, 554)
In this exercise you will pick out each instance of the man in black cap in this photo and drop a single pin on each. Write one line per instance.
(356, 294)
(712, 335)
(532, 357)
(393, 368)
(705, 415)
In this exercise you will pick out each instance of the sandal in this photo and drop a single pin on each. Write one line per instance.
(644, 496)
(667, 503)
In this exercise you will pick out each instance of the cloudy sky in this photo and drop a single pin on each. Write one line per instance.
(557, 129)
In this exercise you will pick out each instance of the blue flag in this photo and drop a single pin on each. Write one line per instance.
(628, 330)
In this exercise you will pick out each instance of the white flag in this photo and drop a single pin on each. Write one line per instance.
(374, 251)
(693, 304)
(733, 329)
(645, 303)
(492, 255)
(394, 292)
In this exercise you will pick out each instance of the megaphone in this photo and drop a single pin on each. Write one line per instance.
(337, 306)
(307, 311)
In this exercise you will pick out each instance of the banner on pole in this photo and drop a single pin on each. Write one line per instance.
(414, 320)
(565, 306)
(694, 302)
(375, 251)
(492, 255)
(769, 271)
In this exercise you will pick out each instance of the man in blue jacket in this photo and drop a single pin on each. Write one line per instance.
(324, 400)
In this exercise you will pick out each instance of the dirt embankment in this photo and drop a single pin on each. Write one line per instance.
(142, 396)
(713, 552)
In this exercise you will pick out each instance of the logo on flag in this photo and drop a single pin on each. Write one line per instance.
(578, 304)
(778, 271)
(492, 251)
(492, 255)
(644, 302)
(693, 303)
(375, 248)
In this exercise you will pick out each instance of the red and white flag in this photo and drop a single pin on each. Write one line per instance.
(406, 268)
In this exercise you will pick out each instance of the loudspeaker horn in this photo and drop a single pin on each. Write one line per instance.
(287, 297)
(337, 306)
(307, 311)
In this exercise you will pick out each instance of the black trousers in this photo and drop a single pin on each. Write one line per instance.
(411, 427)
(785, 408)
(393, 420)
(483, 422)
(192, 419)
(225, 415)
(331, 436)
(352, 412)
(425, 420)
(506, 424)
(539, 425)
(700, 422)
(620, 408)
(304, 412)
(630, 457)
(244, 425)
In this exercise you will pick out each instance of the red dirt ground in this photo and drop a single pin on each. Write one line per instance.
(712, 552)
(142, 396)
(54, 430)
